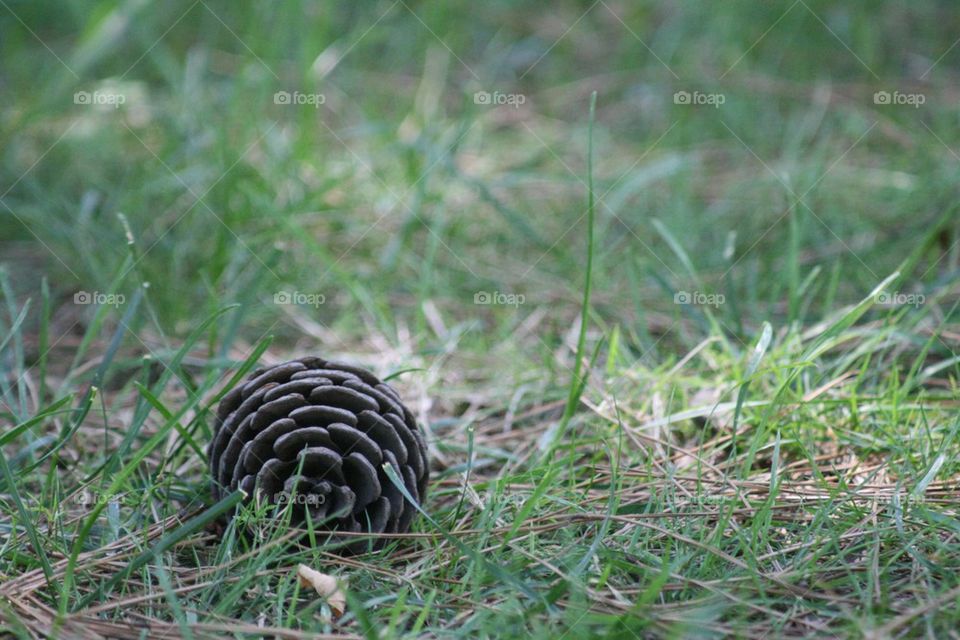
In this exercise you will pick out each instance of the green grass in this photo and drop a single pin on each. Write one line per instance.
(776, 457)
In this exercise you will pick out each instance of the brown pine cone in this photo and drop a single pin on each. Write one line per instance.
(317, 433)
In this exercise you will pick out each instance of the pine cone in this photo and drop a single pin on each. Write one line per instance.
(317, 433)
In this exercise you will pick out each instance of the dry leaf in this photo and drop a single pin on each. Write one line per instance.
(326, 586)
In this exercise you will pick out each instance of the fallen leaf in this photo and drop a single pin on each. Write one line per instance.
(325, 585)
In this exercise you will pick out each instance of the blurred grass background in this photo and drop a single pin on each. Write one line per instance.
(400, 189)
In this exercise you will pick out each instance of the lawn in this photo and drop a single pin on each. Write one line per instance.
(671, 287)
